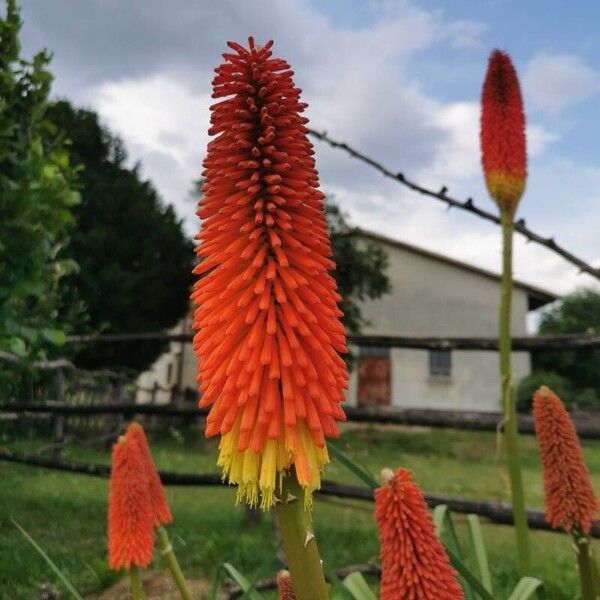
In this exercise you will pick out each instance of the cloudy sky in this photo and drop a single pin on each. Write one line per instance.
(398, 80)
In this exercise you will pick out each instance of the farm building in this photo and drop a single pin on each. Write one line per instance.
(432, 295)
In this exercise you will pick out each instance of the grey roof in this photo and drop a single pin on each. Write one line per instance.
(537, 297)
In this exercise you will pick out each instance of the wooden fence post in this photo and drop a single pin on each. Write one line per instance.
(119, 396)
(58, 419)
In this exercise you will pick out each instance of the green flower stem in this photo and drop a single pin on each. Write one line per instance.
(299, 543)
(508, 401)
(137, 589)
(172, 563)
(585, 562)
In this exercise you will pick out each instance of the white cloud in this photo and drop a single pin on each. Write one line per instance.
(458, 157)
(164, 124)
(554, 81)
(465, 34)
(538, 140)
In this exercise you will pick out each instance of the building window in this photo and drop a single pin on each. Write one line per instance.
(440, 363)
(169, 373)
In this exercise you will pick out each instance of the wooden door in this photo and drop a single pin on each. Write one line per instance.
(374, 380)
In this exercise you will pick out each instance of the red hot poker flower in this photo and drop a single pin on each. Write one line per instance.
(162, 513)
(269, 328)
(503, 144)
(570, 498)
(414, 563)
(130, 515)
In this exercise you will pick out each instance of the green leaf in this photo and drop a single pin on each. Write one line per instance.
(17, 346)
(358, 587)
(56, 336)
(466, 574)
(444, 528)
(439, 518)
(525, 589)
(229, 570)
(50, 563)
(361, 472)
(479, 551)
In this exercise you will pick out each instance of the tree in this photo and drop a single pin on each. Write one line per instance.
(135, 259)
(577, 313)
(360, 271)
(36, 201)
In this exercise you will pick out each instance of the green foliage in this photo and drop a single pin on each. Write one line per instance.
(135, 258)
(36, 201)
(360, 272)
(577, 313)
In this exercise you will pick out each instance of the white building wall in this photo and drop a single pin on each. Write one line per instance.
(473, 385)
(431, 297)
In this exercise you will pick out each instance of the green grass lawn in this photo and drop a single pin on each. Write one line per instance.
(66, 513)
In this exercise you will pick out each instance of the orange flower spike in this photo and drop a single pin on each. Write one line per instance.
(269, 329)
(503, 144)
(162, 512)
(284, 586)
(570, 498)
(414, 563)
(130, 515)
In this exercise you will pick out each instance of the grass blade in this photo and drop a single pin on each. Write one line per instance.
(525, 589)
(361, 472)
(479, 551)
(50, 563)
(358, 587)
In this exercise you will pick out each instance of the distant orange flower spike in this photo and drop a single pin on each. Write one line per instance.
(414, 563)
(162, 512)
(284, 586)
(130, 515)
(269, 329)
(503, 144)
(571, 502)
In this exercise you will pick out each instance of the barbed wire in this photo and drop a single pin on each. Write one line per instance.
(467, 205)
(587, 424)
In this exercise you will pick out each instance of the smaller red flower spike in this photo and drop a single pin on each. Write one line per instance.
(503, 144)
(414, 563)
(570, 498)
(130, 514)
(162, 512)
(284, 586)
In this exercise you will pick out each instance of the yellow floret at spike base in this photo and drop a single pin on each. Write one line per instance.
(505, 189)
(254, 473)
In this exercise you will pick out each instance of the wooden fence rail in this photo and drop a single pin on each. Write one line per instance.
(570, 341)
(587, 424)
(496, 512)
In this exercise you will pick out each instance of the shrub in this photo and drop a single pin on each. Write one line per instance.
(529, 384)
